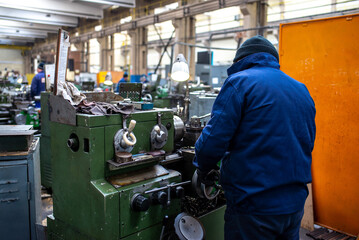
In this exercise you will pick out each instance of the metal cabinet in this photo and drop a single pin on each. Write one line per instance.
(20, 196)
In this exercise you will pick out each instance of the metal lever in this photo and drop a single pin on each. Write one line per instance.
(131, 126)
(204, 116)
(158, 129)
(164, 222)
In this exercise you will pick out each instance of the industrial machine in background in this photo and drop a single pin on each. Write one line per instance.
(209, 78)
(17, 108)
(87, 81)
(212, 75)
(126, 176)
(201, 104)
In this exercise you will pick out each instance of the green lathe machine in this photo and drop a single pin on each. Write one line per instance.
(125, 176)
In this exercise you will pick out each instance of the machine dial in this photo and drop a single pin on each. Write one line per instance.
(160, 197)
(179, 192)
(159, 135)
(140, 203)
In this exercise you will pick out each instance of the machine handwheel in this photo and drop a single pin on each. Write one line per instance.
(127, 140)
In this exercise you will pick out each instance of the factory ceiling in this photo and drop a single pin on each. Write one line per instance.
(22, 21)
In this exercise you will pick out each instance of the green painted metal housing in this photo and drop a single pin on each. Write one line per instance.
(45, 143)
(85, 203)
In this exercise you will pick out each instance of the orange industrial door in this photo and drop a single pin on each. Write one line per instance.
(324, 55)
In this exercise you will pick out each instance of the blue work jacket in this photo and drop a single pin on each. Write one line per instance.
(38, 84)
(122, 80)
(262, 128)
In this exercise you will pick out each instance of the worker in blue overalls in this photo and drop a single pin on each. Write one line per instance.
(38, 82)
(262, 128)
(122, 80)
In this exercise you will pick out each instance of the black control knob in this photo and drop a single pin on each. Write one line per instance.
(179, 192)
(140, 203)
(160, 197)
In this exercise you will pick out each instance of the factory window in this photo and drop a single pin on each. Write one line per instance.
(73, 47)
(109, 42)
(346, 5)
(166, 8)
(165, 30)
(225, 18)
(122, 42)
(126, 19)
(94, 52)
(85, 48)
(98, 28)
(281, 9)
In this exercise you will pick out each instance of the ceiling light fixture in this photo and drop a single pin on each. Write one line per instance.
(180, 71)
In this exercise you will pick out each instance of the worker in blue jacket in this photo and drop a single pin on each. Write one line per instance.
(124, 79)
(38, 82)
(262, 128)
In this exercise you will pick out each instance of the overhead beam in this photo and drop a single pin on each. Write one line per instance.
(17, 38)
(63, 7)
(8, 45)
(20, 34)
(33, 17)
(181, 12)
(29, 26)
(34, 33)
(30, 33)
(120, 3)
(131, 25)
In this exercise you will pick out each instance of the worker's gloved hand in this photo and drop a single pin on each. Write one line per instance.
(208, 178)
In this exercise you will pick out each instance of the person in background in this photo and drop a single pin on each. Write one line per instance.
(38, 82)
(263, 129)
(144, 79)
(124, 79)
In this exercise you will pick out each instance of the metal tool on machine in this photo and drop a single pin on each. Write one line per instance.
(193, 130)
(179, 128)
(159, 134)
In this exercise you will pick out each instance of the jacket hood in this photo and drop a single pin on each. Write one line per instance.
(257, 59)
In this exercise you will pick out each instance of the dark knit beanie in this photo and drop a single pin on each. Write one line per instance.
(254, 45)
(41, 66)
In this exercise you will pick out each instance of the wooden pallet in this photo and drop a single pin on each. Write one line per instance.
(325, 234)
